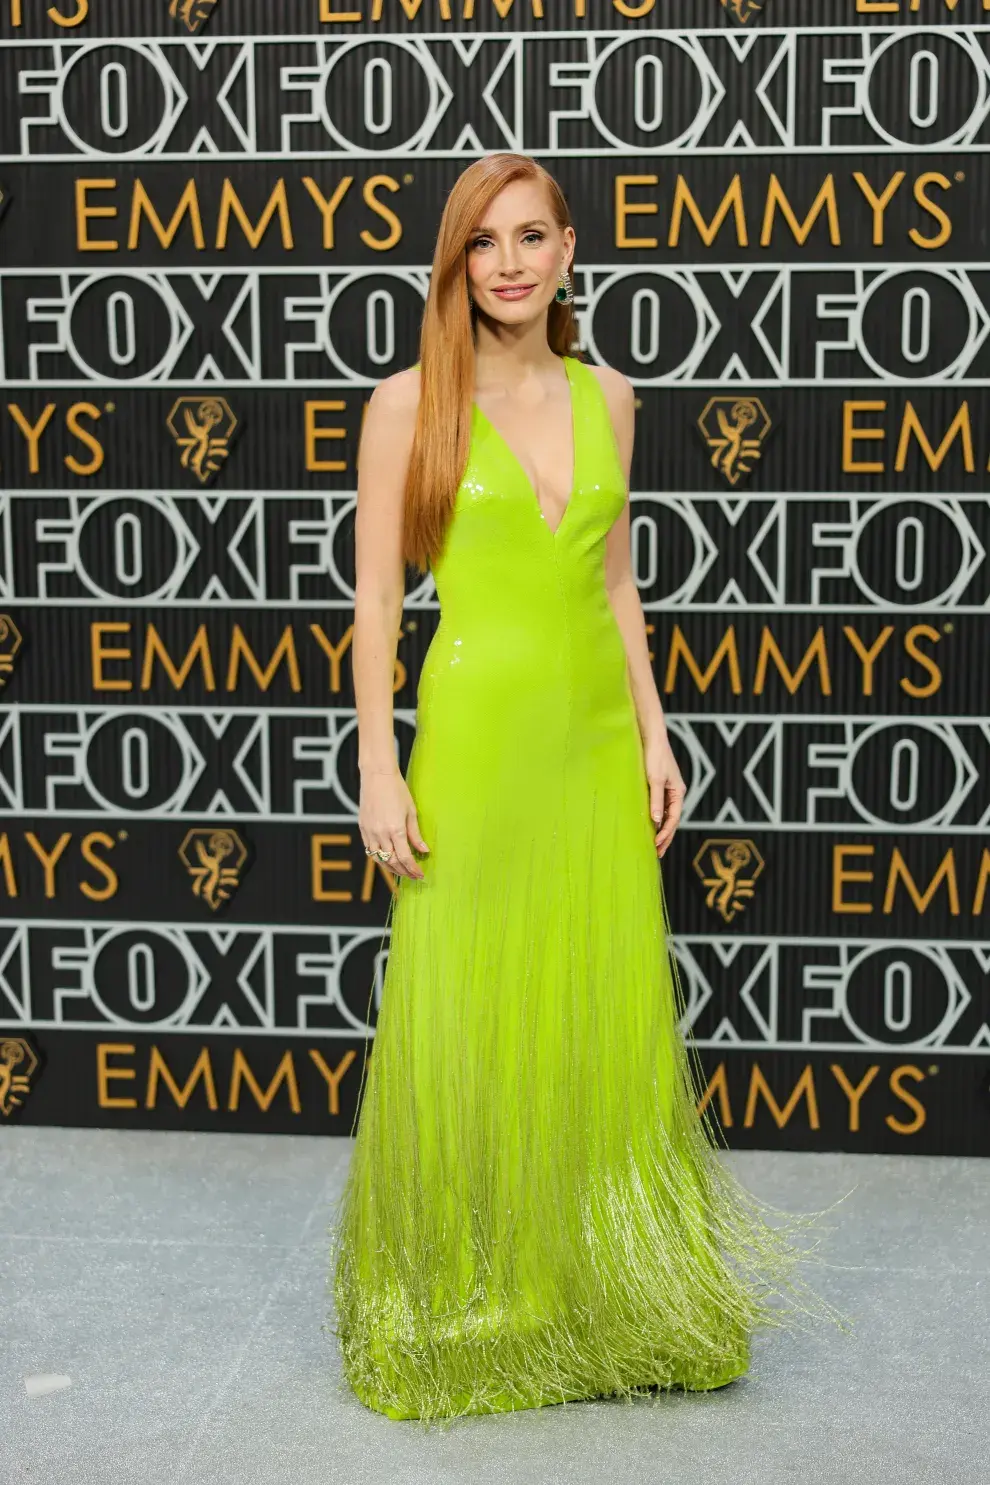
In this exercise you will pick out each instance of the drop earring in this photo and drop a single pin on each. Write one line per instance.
(565, 290)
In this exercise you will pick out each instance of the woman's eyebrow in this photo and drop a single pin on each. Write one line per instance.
(536, 222)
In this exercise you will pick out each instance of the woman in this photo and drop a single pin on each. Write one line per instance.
(534, 1211)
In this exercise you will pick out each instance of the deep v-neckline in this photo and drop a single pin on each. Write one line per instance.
(553, 531)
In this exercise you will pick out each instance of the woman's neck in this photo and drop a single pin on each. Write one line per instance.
(505, 355)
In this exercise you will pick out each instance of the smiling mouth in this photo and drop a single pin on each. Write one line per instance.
(516, 291)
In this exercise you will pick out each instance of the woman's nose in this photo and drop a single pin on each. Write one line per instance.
(507, 263)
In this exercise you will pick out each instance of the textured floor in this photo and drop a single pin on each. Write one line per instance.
(178, 1280)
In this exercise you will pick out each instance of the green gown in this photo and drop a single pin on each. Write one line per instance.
(534, 1211)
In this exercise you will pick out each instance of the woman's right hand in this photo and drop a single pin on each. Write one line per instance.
(387, 821)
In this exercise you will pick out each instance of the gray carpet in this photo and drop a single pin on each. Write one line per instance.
(178, 1281)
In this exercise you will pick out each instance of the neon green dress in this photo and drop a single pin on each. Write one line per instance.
(534, 1211)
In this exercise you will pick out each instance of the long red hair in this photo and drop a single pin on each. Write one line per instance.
(442, 437)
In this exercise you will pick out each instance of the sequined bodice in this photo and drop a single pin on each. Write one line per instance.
(523, 606)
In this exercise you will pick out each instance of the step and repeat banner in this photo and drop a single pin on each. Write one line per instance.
(215, 238)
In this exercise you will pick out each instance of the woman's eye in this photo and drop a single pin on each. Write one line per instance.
(484, 241)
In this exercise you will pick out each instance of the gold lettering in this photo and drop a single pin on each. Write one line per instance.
(868, 657)
(854, 1095)
(371, 185)
(7, 862)
(679, 648)
(333, 655)
(69, 22)
(731, 201)
(284, 1073)
(85, 243)
(230, 204)
(314, 434)
(718, 1086)
(633, 12)
(319, 866)
(89, 844)
(625, 208)
(141, 206)
(899, 871)
(982, 880)
(923, 631)
(878, 204)
(328, 208)
(911, 425)
(932, 178)
(769, 650)
(907, 1071)
(105, 1074)
(48, 861)
(502, 9)
(285, 650)
(759, 1087)
(852, 434)
(76, 411)
(98, 654)
(199, 649)
(351, 17)
(32, 431)
(332, 1076)
(824, 201)
(841, 874)
(158, 1068)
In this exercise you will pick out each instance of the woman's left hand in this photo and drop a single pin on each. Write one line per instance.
(667, 790)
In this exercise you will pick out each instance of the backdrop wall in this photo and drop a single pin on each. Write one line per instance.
(217, 224)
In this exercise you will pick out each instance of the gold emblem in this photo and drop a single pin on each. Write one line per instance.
(10, 643)
(18, 1064)
(734, 428)
(203, 428)
(743, 10)
(729, 869)
(193, 14)
(214, 859)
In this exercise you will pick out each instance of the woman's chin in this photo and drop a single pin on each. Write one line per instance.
(516, 312)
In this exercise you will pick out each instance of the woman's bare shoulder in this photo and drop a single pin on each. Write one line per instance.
(617, 387)
(398, 393)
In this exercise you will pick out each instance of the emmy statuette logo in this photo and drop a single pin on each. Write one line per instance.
(734, 428)
(214, 859)
(193, 14)
(728, 869)
(743, 10)
(10, 643)
(203, 428)
(19, 1062)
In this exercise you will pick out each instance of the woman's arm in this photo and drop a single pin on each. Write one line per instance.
(387, 816)
(667, 788)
